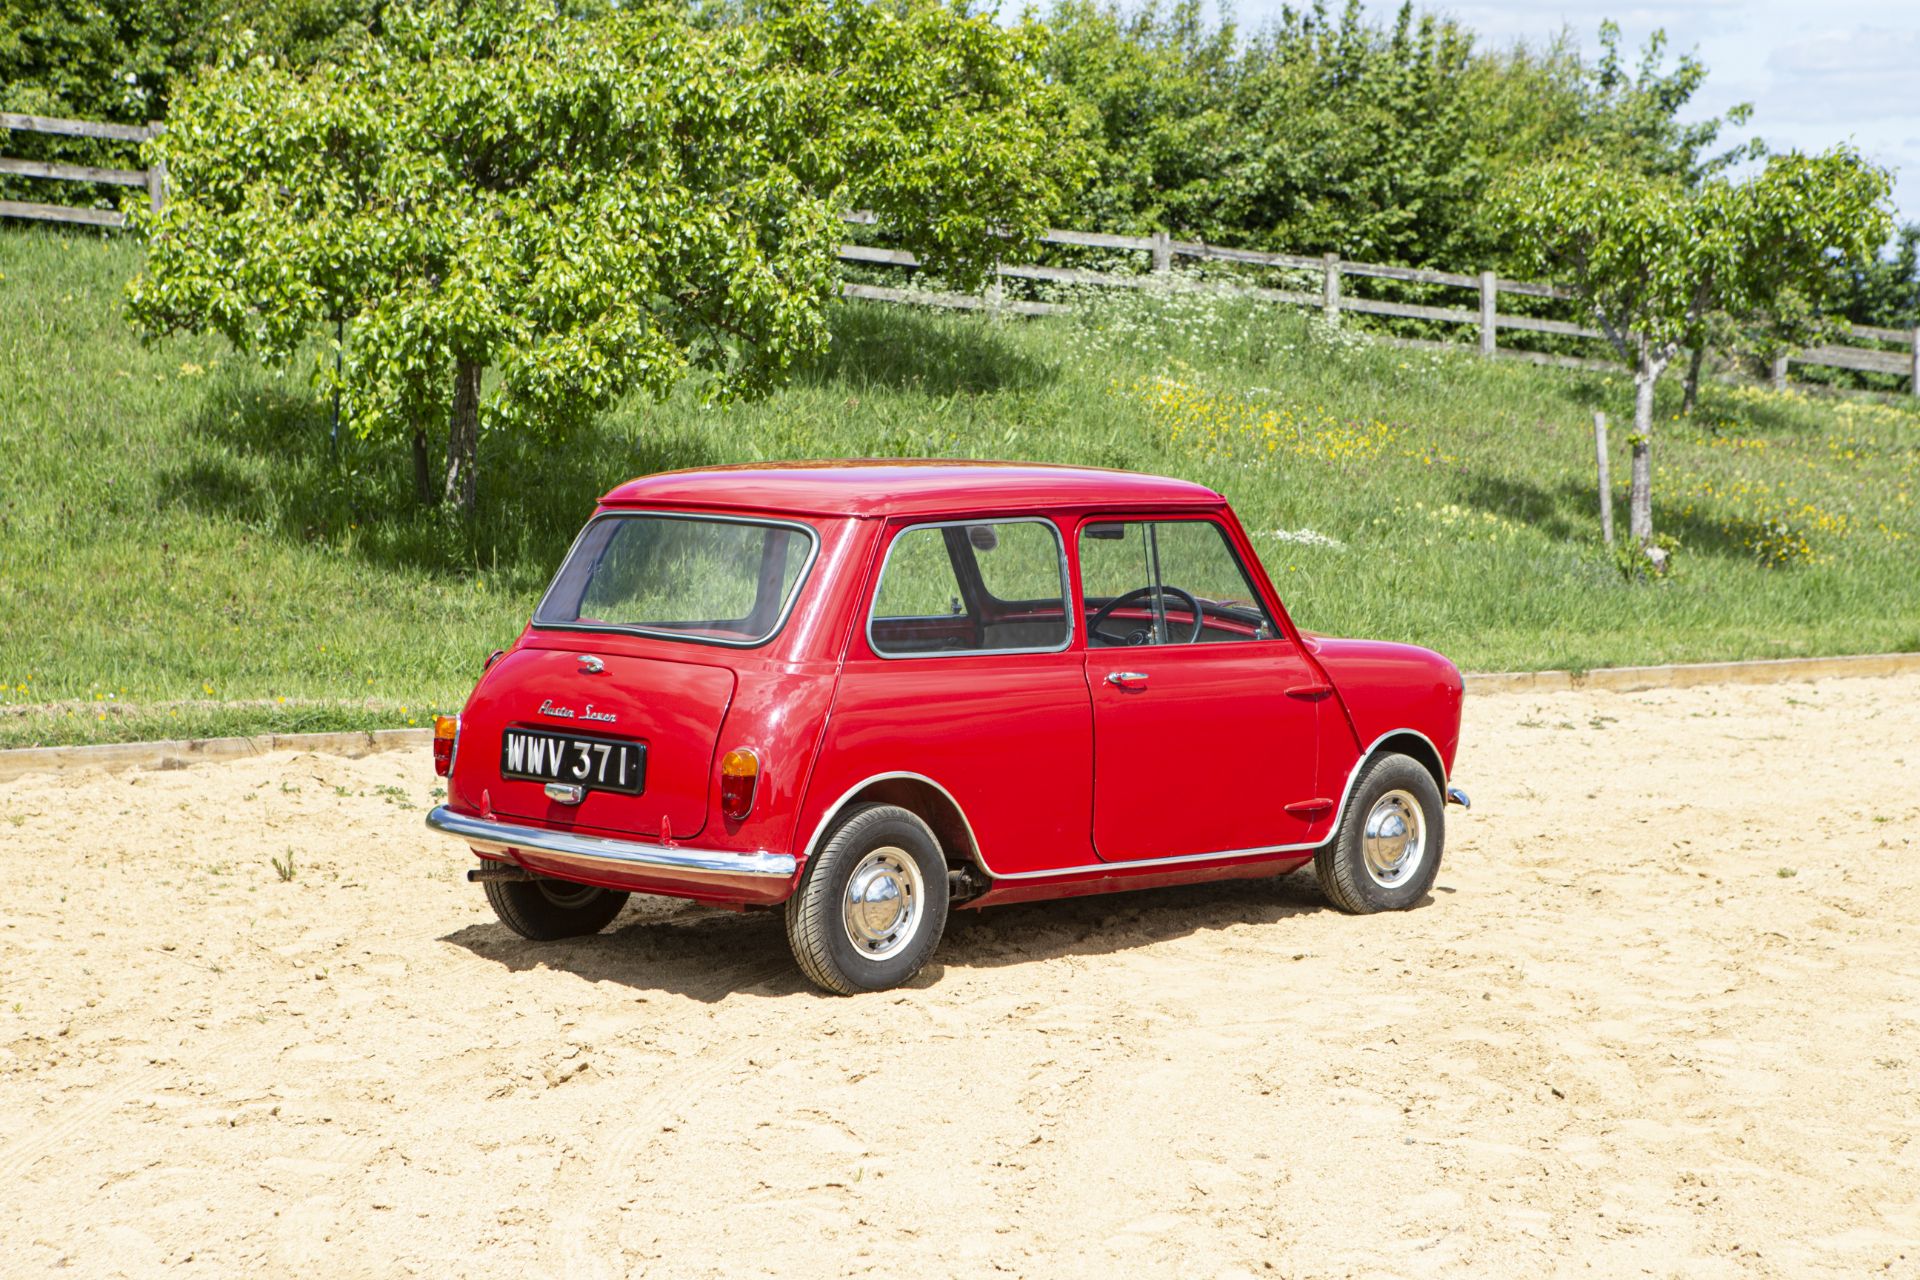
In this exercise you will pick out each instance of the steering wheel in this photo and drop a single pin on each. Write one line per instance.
(1141, 635)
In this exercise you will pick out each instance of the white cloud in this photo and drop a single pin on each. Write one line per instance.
(1865, 75)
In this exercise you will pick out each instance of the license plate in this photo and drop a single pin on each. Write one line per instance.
(598, 764)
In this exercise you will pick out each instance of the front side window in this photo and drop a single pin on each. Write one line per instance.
(987, 586)
(1166, 582)
(701, 578)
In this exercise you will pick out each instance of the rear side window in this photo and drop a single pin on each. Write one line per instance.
(986, 586)
(699, 578)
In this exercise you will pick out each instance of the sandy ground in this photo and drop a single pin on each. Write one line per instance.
(1661, 1016)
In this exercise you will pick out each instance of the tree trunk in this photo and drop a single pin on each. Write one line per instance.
(463, 436)
(1640, 489)
(423, 488)
(1640, 493)
(1692, 397)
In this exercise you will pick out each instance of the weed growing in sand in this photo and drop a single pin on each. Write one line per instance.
(283, 868)
(1786, 873)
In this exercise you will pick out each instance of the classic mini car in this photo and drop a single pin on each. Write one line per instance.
(875, 692)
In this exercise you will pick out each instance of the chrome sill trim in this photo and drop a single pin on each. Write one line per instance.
(1131, 864)
(501, 838)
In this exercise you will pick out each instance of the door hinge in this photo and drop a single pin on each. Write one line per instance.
(1310, 691)
(1309, 806)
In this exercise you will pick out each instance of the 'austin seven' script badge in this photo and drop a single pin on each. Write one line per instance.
(554, 709)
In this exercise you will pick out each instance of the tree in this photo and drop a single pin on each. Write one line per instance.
(119, 60)
(518, 217)
(1329, 129)
(1654, 259)
(1886, 291)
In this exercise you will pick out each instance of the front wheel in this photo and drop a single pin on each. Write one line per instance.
(1387, 851)
(544, 909)
(872, 904)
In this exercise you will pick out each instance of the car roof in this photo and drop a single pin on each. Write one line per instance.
(906, 487)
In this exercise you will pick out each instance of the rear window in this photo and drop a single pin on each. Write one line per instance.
(704, 578)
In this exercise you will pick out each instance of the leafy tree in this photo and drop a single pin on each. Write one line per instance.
(1654, 259)
(1328, 130)
(1351, 138)
(119, 60)
(1152, 88)
(1633, 117)
(1884, 292)
(518, 218)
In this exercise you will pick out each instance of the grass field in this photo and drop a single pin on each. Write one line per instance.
(182, 553)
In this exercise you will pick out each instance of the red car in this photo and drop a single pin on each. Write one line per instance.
(873, 692)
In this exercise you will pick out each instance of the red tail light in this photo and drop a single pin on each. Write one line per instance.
(739, 778)
(446, 730)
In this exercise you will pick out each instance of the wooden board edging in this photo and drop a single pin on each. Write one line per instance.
(179, 753)
(1682, 675)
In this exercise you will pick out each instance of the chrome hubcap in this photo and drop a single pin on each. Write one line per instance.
(1395, 842)
(882, 907)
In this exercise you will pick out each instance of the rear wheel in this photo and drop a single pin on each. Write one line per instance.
(872, 904)
(543, 909)
(1387, 851)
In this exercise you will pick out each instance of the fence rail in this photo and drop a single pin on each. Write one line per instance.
(1333, 300)
(154, 179)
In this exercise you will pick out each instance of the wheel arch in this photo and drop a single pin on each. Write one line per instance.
(920, 796)
(1411, 743)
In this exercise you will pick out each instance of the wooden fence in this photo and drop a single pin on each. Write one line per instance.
(1332, 300)
(153, 179)
(1331, 270)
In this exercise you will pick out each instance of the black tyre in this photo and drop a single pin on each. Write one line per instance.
(872, 904)
(543, 909)
(1387, 851)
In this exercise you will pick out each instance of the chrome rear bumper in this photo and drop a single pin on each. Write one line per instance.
(601, 854)
(1456, 796)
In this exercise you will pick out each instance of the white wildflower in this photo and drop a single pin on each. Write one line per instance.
(1306, 538)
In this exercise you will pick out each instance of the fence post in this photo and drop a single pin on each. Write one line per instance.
(1606, 479)
(1162, 252)
(1778, 378)
(1330, 291)
(1913, 369)
(1489, 289)
(156, 172)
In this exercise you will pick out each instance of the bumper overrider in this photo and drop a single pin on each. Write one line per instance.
(684, 869)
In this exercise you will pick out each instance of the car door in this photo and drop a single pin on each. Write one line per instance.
(1205, 715)
(965, 674)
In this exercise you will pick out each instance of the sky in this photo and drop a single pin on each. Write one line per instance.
(1816, 71)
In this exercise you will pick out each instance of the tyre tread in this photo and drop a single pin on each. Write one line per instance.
(525, 910)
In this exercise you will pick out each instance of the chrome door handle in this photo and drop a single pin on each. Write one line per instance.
(1127, 679)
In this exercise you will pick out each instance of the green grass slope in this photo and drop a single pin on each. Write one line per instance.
(182, 553)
